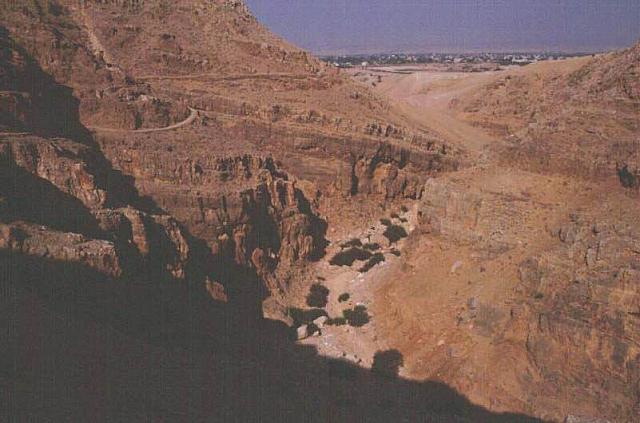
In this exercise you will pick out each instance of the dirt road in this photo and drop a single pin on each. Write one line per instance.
(214, 77)
(192, 116)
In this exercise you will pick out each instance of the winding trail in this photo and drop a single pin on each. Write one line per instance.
(213, 77)
(15, 134)
(189, 120)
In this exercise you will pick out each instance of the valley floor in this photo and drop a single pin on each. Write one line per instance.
(447, 302)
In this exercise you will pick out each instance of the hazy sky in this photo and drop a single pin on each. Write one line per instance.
(352, 26)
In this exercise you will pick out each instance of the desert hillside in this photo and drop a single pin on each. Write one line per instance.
(201, 222)
(520, 265)
(168, 170)
(578, 116)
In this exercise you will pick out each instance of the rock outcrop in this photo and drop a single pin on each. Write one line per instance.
(384, 173)
(248, 211)
(57, 192)
(485, 221)
(40, 241)
(578, 316)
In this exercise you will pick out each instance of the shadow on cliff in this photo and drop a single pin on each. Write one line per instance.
(55, 112)
(27, 197)
(36, 200)
(53, 109)
(79, 346)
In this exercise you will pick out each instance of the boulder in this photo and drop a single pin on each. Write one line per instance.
(472, 303)
(302, 332)
(457, 265)
(320, 321)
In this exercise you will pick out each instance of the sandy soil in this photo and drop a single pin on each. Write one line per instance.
(424, 97)
(427, 97)
(358, 344)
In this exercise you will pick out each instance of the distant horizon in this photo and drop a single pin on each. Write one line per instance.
(351, 27)
(479, 51)
(564, 53)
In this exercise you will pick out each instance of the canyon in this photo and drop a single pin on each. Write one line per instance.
(201, 222)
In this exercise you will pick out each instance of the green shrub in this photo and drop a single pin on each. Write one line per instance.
(343, 297)
(347, 257)
(354, 242)
(385, 222)
(395, 233)
(375, 259)
(54, 8)
(337, 321)
(318, 296)
(627, 178)
(357, 317)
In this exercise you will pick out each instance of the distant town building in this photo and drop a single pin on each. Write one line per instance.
(504, 59)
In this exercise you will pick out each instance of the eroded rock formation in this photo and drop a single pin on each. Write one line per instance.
(578, 316)
(58, 185)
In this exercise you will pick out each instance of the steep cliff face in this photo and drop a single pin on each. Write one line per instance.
(522, 286)
(40, 241)
(139, 65)
(386, 172)
(163, 170)
(60, 197)
(57, 161)
(28, 95)
(57, 202)
(54, 205)
(151, 156)
(573, 324)
(578, 316)
(248, 211)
